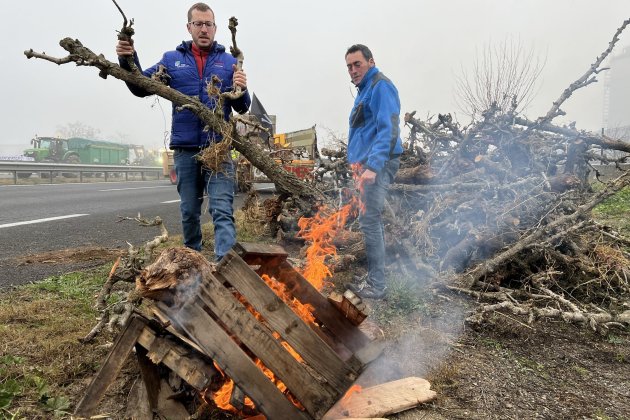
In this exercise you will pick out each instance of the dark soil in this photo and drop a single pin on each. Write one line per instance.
(35, 267)
(505, 369)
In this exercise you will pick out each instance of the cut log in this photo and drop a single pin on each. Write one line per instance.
(421, 174)
(350, 305)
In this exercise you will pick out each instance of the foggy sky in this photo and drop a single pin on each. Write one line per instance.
(294, 57)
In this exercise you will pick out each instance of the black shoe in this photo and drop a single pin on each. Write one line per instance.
(367, 291)
(356, 287)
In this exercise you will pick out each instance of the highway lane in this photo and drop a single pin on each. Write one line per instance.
(36, 219)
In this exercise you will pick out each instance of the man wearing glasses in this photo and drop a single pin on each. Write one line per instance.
(190, 67)
(374, 145)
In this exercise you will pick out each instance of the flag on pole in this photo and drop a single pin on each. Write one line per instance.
(259, 112)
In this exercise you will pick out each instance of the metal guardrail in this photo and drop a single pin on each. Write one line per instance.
(24, 170)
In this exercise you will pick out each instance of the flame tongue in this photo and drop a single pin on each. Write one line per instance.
(321, 230)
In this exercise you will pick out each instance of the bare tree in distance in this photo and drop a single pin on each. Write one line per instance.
(503, 77)
(78, 129)
(335, 139)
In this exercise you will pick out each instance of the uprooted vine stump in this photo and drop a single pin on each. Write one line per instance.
(229, 316)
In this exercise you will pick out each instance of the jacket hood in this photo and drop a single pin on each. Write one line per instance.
(186, 46)
(368, 76)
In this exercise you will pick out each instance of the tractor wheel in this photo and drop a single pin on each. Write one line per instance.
(46, 175)
(73, 159)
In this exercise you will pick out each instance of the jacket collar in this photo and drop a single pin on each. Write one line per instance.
(186, 46)
(368, 76)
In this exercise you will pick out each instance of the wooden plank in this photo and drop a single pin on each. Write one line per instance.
(316, 396)
(150, 376)
(111, 367)
(383, 400)
(283, 320)
(193, 369)
(251, 249)
(138, 402)
(217, 344)
(339, 326)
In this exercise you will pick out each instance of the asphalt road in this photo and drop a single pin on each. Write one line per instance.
(36, 219)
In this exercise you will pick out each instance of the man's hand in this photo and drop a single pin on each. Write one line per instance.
(240, 78)
(124, 48)
(368, 177)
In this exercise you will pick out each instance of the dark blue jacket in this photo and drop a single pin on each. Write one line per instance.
(374, 136)
(187, 128)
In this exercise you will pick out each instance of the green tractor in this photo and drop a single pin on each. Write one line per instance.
(75, 151)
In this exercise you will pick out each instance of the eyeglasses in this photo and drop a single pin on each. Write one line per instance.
(200, 24)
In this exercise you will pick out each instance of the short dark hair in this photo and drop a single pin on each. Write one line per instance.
(367, 54)
(202, 7)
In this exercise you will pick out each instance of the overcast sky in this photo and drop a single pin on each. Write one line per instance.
(294, 57)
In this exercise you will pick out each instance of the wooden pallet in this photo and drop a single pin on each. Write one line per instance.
(220, 327)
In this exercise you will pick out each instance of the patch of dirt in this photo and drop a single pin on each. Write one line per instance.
(72, 255)
(36, 267)
(505, 369)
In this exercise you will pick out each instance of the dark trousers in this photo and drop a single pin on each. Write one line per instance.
(371, 222)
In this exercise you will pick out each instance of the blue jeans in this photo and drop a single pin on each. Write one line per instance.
(371, 223)
(192, 182)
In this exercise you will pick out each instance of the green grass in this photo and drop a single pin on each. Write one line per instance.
(404, 297)
(43, 366)
(42, 361)
(615, 211)
(615, 206)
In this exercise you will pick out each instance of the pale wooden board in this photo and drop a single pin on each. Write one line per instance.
(138, 407)
(382, 400)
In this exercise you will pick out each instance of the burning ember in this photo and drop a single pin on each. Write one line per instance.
(353, 389)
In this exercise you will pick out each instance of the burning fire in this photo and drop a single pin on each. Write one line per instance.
(304, 311)
(321, 230)
(222, 396)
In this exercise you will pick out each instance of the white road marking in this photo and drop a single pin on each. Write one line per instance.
(135, 188)
(170, 201)
(48, 219)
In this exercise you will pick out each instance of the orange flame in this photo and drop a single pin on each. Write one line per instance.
(353, 389)
(222, 397)
(321, 230)
(303, 310)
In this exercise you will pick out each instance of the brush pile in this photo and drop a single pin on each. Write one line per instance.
(500, 209)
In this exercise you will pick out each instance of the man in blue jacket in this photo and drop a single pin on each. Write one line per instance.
(190, 67)
(374, 146)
